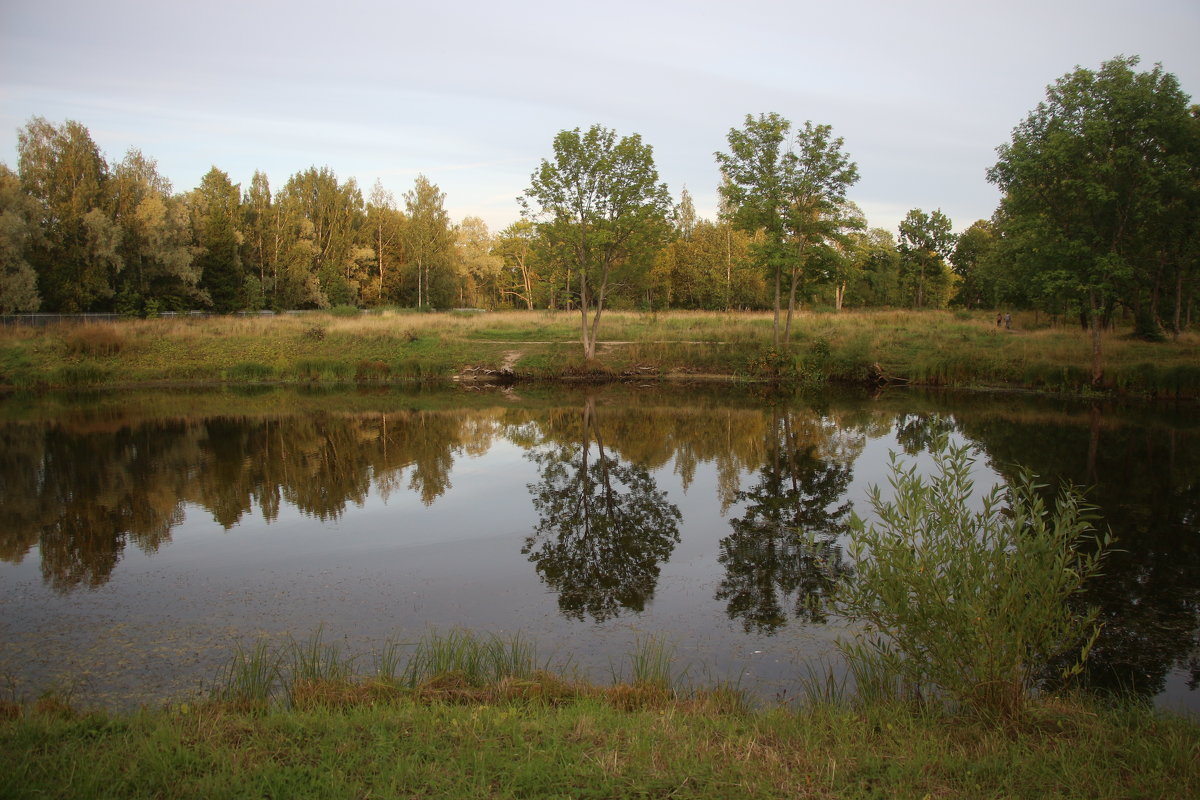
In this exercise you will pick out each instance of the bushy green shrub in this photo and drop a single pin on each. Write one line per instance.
(970, 604)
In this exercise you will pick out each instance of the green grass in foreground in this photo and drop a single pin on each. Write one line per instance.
(635, 743)
(475, 717)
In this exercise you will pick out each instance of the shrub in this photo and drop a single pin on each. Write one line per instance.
(970, 603)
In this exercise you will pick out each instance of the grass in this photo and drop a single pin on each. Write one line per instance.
(925, 348)
(535, 739)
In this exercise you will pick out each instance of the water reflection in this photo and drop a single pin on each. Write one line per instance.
(783, 554)
(1146, 481)
(601, 528)
(604, 528)
(82, 493)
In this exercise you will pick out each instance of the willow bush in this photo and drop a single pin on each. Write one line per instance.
(967, 599)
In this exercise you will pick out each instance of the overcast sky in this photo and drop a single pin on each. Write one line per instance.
(471, 94)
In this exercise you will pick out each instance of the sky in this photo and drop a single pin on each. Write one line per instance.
(472, 93)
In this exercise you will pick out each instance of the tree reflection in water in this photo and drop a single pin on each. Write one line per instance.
(89, 486)
(604, 528)
(783, 552)
(80, 495)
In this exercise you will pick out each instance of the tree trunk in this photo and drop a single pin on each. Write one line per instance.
(778, 297)
(1178, 302)
(787, 329)
(1097, 360)
(728, 268)
(589, 346)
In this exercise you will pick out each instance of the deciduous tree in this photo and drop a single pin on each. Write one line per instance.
(76, 258)
(428, 242)
(18, 232)
(789, 187)
(926, 241)
(216, 215)
(156, 240)
(600, 199)
(1090, 178)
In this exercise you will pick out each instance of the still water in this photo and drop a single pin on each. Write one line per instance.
(144, 535)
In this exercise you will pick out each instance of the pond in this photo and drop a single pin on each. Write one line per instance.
(146, 534)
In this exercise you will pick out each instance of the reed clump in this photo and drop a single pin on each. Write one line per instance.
(102, 340)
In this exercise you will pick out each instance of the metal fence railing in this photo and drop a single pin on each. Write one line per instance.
(42, 320)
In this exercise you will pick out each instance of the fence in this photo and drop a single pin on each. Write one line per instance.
(42, 320)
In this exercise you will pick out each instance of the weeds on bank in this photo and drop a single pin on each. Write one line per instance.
(930, 347)
(589, 746)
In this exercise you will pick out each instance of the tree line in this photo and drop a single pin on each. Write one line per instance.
(1098, 217)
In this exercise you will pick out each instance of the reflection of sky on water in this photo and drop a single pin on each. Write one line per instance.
(394, 567)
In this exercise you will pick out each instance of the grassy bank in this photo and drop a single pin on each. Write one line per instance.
(467, 716)
(534, 740)
(916, 348)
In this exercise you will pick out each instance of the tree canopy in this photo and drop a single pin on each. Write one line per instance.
(600, 202)
(1100, 217)
(792, 188)
(1097, 180)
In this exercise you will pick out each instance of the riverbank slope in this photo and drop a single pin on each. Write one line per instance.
(625, 742)
(931, 348)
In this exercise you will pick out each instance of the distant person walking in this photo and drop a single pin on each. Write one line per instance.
(1007, 321)
(998, 319)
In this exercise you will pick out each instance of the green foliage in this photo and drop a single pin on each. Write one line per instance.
(250, 679)
(216, 209)
(316, 369)
(604, 211)
(372, 370)
(1101, 204)
(376, 742)
(650, 664)
(970, 603)
(429, 243)
(18, 232)
(926, 243)
(82, 374)
(793, 190)
(475, 660)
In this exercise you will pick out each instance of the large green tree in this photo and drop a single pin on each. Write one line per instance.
(262, 241)
(323, 216)
(974, 259)
(1091, 179)
(382, 231)
(156, 239)
(18, 232)
(479, 265)
(600, 200)
(216, 215)
(926, 242)
(793, 189)
(429, 243)
(76, 258)
(519, 274)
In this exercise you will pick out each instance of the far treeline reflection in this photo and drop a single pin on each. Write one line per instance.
(81, 491)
